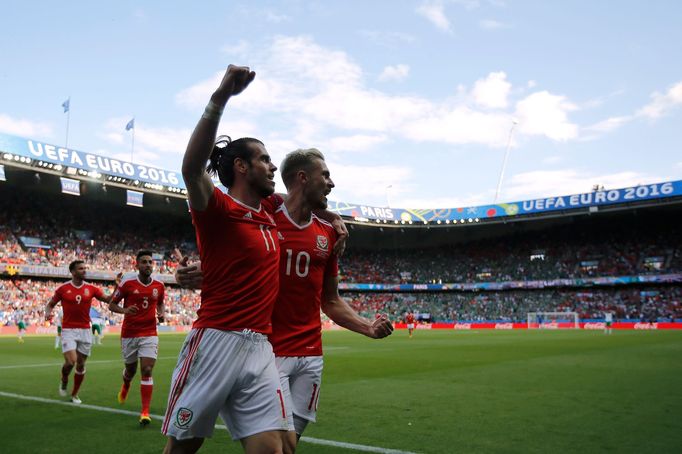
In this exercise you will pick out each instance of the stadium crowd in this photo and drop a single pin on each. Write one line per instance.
(625, 303)
(107, 240)
(651, 303)
(557, 253)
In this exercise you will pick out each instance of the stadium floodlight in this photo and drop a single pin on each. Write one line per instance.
(57, 167)
(395, 221)
(439, 221)
(471, 220)
(476, 220)
(410, 222)
(7, 156)
(447, 221)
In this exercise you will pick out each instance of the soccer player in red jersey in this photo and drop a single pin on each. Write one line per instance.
(139, 340)
(226, 367)
(409, 319)
(308, 273)
(76, 298)
(309, 280)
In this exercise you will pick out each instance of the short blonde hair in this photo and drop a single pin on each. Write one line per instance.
(297, 160)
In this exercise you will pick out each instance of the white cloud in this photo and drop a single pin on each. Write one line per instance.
(154, 141)
(275, 17)
(608, 125)
(460, 125)
(434, 11)
(531, 84)
(239, 49)
(491, 24)
(114, 137)
(354, 182)
(388, 39)
(543, 113)
(662, 104)
(397, 72)
(311, 93)
(492, 91)
(22, 127)
(552, 160)
(547, 183)
(358, 142)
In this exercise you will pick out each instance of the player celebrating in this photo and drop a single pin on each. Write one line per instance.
(308, 274)
(226, 366)
(76, 298)
(139, 339)
(409, 319)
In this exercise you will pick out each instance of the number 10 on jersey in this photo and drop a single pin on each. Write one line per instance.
(302, 265)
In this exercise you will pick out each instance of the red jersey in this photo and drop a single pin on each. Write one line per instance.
(239, 253)
(146, 297)
(306, 261)
(409, 319)
(76, 302)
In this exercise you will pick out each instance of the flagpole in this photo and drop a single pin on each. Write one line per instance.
(68, 118)
(504, 162)
(132, 148)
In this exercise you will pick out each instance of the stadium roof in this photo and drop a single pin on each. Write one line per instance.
(77, 165)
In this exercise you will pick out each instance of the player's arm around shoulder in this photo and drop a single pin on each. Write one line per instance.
(339, 227)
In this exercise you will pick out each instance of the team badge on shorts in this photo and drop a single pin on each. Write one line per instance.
(322, 242)
(183, 417)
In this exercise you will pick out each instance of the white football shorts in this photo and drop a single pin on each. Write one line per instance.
(300, 377)
(139, 347)
(230, 374)
(79, 339)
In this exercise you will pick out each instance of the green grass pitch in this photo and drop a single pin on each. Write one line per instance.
(440, 392)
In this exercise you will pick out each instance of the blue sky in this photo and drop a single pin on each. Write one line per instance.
(412, 102)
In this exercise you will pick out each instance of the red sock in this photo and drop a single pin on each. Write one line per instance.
(77, 380)
(146, 388)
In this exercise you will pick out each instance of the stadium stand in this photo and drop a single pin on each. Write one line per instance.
(43, 227)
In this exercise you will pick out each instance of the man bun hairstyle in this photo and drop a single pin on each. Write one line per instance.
(225, 151)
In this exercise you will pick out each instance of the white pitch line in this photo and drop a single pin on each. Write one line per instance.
(315, 441)
(101, 361)
(356, 447)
